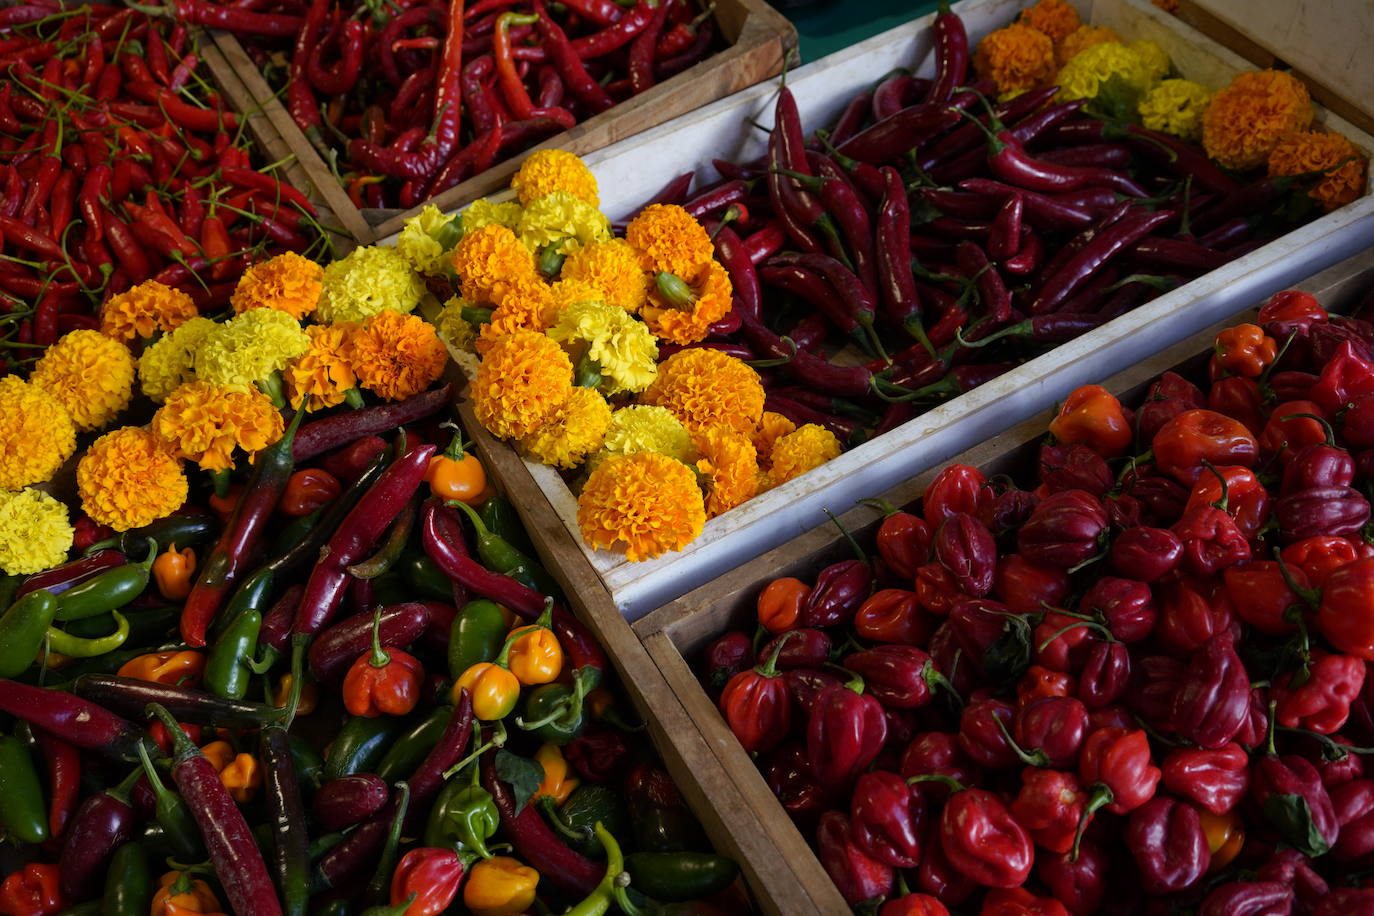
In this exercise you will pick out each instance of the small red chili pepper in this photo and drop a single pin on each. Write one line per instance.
(307, 491)
(1049, 805)
(383, 681)
(428, 878)
(756, 705)
(32, 891)
(1318, 697)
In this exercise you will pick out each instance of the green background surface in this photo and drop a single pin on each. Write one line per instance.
(828, 25)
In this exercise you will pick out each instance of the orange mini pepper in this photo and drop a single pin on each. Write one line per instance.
(1092, 416)
(219, 753)
(1225, 836)
(1245, 350)
(181, 668)
(181, 894)
(455, 474)
(536, 656)
(556, 784)
(242, 776)
(310, 695)
(500, 886)
(173, 570)
(493, 688)
(780, 604)
(223, 506)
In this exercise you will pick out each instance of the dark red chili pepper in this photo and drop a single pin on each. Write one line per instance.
(1080, 266)
(858, 876)
(809, 369)
(76, 721)
(1293, 800)
(852, 119)
(1216, 779)
(64, 780)
(890, 138)
(103, 823)
(1213, 701)
(1165, 837)
(845, 733)
(536, 843)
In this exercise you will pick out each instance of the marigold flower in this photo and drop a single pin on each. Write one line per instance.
(647, 501)
(247, 349)
(1109, 70)
(34, 532)
(1082, 38)
(562, 222)
(1175, 107)
(621, 347)
(686, 323)
(366, 281)
(772, 427)
(90, 374)
(1015, 58)
(613, 269)
(524, 378)
(488, 261)
(452, 327)
(204, 423)
(1153, 58)
(145, 309)
(322, 375)
(644, 428)
(397, 355)
(128, 479)
(798, 452)
(730, 466)
(524, 305)
(36, 434)
(419, 242)
(1053, 17)
(482, 212)
(1308, 151)
(573, 432)
(1248, 118)
(707, 388)
(167, 364)
(668, 238)
(288, 283)
(552, 170)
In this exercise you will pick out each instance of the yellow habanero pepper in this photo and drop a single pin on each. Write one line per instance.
(310, 695)
(556, 784)
(1225, 836)
(219, 753)
(494, 690)
(173, 572)
(500, 886)
(180, 894)
(182, 668)
(536, 657)
(242, 776)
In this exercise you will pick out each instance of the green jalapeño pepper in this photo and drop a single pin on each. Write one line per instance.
(360, 745)
(178, 824)
(501, 519)
(185, 530)
(112, 589)
(128, 883)
(556, 713)
(499, 555)
(253, 592)
(587, 806)
(22, 811)
(226, 670)
(478, 633)
(412, 747)
(464, 813)
(78, 647)
(425, 576)
(679, 876)
(147, 625)
(22, 629)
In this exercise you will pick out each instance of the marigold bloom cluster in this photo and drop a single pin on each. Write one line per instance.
(1247, 119)
(89, 374)
(646, 501)
(144, 310)
(366, 281)
(1015, 58)
(204, 423)
(1342, 168)
(554, 170)
(34, 532)
(36, 434)
(288, 283)
(129, 478)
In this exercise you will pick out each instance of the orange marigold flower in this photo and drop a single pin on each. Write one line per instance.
(145, 309)
(397, 356)
(730, 466)
(772, 427)
(668, 238)
(524, 305)
(127, 479)
(1015, 58)
(524, 378)
(36, 434)
(798, 452)
(682, 308)
(1308, 151)
(1248, 118)
(288, 283)
(90, 374)
(322, 375)
(1082, 38)
(1053, 17)
(488, 261)
(204, 423)
(647, 501)
(611, 267)
(706, 388)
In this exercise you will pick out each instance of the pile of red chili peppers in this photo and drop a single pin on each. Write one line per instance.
(120, 164)
(410, 99)
(1138, 685)
(951, 238)
(347, 687)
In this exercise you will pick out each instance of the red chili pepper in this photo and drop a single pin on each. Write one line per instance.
(1116, 767)
(1165, 837)
(32, 891)
(1049, 805)
(845, 733)
(1293, 800)
(1318, 697)
(1343, 378)
(431, 875)
(1262, 594)
(1318, 557)
(858, 876)
(887, 819)
(308, 490)
(756, 706)
(982, 839)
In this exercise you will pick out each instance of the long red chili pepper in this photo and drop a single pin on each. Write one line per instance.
(536, 843)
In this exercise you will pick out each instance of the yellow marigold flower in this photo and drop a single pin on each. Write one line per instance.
(482, 212)
(204, 423)
(523, 380)
(1153, 58)
(36, 434)
(90, 374)
(488, 261)
(647, 501)
(1082, 38)
(145, 309)
(643, 428)
(166, 365)
(613, 269)
(552, 170)
(322, 375)
(420, 241)
(397, 355)
(730, 466)
(34, 532)
(573, 432)
(621, 347)
(798, 452)
(524, 305)
(1053, 17)
(365, 282)
(1309, 151)
(705, 388)
(772, 427)
(669, 238)
(684, 322)
(1015, 58)
(128, 479)
(565, 292)
(1102, 68)
(288, 283)
(562, 222)
(1248, 118)
(453, 328)
(1175, 107)
(247, 349)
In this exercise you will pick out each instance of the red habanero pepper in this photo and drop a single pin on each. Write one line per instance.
(382, 681)
(1116, 767)
(1039, 681)
(1066, 529)
(1027, 588)
(1318, 557)
(1166, 839)
(898, 676)
(840, 590)
(1344, 378)
(1245, 499)
(1145, 554)
(1185, 442)
(903, 541)
(1318, 511)
(1092, 416)
(846, 731)
(1293, 800)
(1075, 467)
(892, 615)
(1213, 701)
(1169, 395)
(1215, 780)
(307, 491)
(982, 839)
(32, 891)
(780, 604)
(1192, 611)
(1244, 350)
(858, 876)
(756, 706)
(914, 905)
(1322, 701)
(726, 656)
(965, 547)
(426, 880)
(1262, 594)
(957, 488)
(887, 819)
(1292, 425)
(1240, 398)
(1353, 803)
(1049, 805)
(1020, 902)
(1291, 310)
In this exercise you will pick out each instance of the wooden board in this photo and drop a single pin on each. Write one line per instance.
(676, 634)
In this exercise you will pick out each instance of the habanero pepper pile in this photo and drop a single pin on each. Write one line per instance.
(1136, 685)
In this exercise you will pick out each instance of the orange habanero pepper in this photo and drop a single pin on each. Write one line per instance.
(455, 474)
(780, 604)
(1245, 350)
(172, 570)
(1092, 416)
(182, 668)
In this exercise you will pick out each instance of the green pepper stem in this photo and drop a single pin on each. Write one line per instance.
(293, 697)
(770, 667)
(1036, 758)
(941, 778)
(498, 739)
(1326, 426)
(849, 538)
(380, 657)
(1102, 795)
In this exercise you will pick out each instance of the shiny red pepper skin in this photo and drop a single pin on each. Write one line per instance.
(1343, 378)
(1319, 557)
(1343, 617)
(789, 777)
(858, 876)
(756, 707)
(1052, 727)
(1318, 465)
(1248, 898)
(1079, 883)
(1215, 780)
(1127, 606)
(1353, 803)
(1075, 467)
(805, 647)
(1049, 805)
(1182, 444)
(1212, 541)
(1321, 512)
(898, 676)
(839, 591)
(938, 752)
(846, 731)
(1290, 793)
(1213, 701)
(1169, 395)
(887, 819)
(1119, 761)
(1165, 837)
(984, 727)
(1027, 588)
(965, 547)
(914, 905)
(1245, 499)
(726, 656)
(1262, 596)
(1066, 529)
(1322, 702)
(1105, 675)
(1020, 902)
(981, 839)
(891, 615)
(957, 488)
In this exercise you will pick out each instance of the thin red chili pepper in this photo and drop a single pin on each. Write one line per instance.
(126, 248)
(642, 49)
(667, 67)
(40, 188)
(157, 59)
(238, 21)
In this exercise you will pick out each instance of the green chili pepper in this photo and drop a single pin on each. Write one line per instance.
(77, 647)
(477, 635)
(463, 813)
(425, 576)
(500, 517)
(555, 712)
(22, 811)
(153, 836)
(380, 910)
(112, 589)
(389, 554)
(226, 670)
(660, 829)
(499, 555)
(9, 586)
(254, 592)
(308, 762)
(322, 844)
(185, 530)
(295, 531)
(679, 876)
(175, 818)
(147, 625)
(412, 747)
(381, 878)
(599, 900)
(128, 883)
(359, 746)
(22, 629)
(584, 808)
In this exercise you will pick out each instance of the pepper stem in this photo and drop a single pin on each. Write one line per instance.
(380, 657)
(1326, 427)
(497, 739)
(569, 708)
(293, 696)
(1036, 758)
(882, 505)
(778, 361)
(1019, 329)
(457, 447)
(849, 538)
(954, 784)
(1225, 489)
(182, 745)
(770, 667)
(1102, 795)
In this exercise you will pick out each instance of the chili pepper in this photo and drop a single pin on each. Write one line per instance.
(1213, 701)
(382, 681)
(1215, 780)
(1183, 443)
(307, 491)
(102, 824)
(845, 733)
(1245, 350)
(500, 556)
(755, 704)
(22, 812)
(1092, 416)
(537, 844)
(1316, 558)
(172, 571)
(500, 884)
(73, 646)
(1049, 806)
(340, 429)
(128, 884)
(456, 475)
(1023, 586)
(107, 590)
(1325, 688)
(227, 670)
(891, 615)
(1248, 897)
(172, 814)
(23, 627)
(1115, 766)
(858, 876)
(334, 650)
(840, 590)
(174, 667)
(1321, 511)
(1064, 530)
(982, 840)
(1166, 839)
(1293, 800)
(32, 891)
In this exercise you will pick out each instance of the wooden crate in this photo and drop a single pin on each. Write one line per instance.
(676, 634)
(760, 41)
